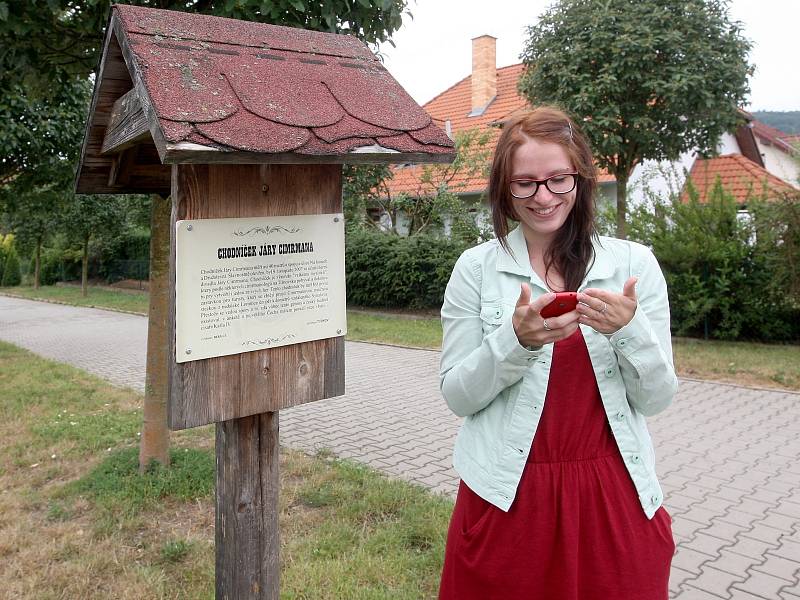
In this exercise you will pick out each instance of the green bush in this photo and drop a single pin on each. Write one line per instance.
(5, 245)
(720, 266)
(11, 275)
(387, 270)
(50, 266)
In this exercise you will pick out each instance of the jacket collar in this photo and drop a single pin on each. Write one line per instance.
(602, 267)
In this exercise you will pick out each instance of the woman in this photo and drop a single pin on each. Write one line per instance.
(558, 497)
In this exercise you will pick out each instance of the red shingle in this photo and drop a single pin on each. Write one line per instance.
(263, 88)
(249, 132)
(278, 91)
(739, 176)
(205, 28)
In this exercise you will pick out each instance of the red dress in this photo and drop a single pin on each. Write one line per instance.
(576, 529)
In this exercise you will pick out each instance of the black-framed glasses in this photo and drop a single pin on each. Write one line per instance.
(563, 183)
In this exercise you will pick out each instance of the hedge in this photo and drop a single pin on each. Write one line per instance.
(387, 270)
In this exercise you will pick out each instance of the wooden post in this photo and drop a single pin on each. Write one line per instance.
(243, 392)
(154, 444)
(247, 540)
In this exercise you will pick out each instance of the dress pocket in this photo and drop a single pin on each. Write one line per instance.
(663, 523)
(473, 511)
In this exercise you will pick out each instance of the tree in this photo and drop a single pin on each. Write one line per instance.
(89, 215)
(51, 47)
(60, 41)
(650, 79)
(436, 197)
(33, 216)
(362, 186)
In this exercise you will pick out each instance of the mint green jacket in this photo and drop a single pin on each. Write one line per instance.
(499, 386)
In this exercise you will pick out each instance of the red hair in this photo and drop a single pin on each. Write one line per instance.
(571, 250)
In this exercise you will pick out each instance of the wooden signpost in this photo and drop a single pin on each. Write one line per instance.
(237, 120)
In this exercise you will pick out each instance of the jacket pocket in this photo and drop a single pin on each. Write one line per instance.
(492, 315)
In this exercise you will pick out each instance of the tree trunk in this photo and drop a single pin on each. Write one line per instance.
(85, 268)
(622, 204)
(36, 263)
(154, 444)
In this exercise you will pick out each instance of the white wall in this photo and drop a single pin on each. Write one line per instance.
(779, 163)
(665, 177)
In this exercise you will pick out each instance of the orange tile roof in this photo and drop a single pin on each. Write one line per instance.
(454, 105)
(738, 175)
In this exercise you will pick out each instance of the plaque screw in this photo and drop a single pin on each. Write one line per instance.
(265, 188)
(335, 219)
(189, 227)
(188, 351)
(338, 331)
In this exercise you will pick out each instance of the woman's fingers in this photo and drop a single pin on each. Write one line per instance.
(607, 311)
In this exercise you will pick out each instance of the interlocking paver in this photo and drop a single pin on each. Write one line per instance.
(715, 582)
(728, 459)
(733, 563)
(690, 560)
(761, 584)
(784, 568)
(692, 593)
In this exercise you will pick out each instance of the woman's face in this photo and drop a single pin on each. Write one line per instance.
(544, 213)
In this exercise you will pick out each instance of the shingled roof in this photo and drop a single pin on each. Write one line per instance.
(212, 89)
(738, 176)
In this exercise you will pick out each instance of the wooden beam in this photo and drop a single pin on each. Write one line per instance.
(127, 125)
(138, 84)
(247, 536)
(122, 166)
(191, 153)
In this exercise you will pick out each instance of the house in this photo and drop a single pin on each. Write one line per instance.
(482, 100)
(753, 156)
(488, 96)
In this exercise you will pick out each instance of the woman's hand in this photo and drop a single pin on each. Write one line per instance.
(532, 329)
(605, 311)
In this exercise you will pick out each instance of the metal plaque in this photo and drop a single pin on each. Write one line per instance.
(254, 283)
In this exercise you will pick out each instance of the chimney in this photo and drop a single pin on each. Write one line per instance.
(484, 73)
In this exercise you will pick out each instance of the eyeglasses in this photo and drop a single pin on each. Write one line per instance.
(563, 183)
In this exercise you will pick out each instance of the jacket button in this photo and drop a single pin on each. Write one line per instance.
(654, 499)
(621, 343)
(609, 372)
(620, 416)
(498, 313)
(635, 458)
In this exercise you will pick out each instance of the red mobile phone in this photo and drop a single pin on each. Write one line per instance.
(564, 303)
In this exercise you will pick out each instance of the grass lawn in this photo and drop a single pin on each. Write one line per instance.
(77, 520)
(744, 363)
(100, 297)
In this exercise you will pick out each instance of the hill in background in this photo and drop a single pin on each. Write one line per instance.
(788, 121)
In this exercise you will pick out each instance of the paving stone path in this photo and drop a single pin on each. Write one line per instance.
(728, 456)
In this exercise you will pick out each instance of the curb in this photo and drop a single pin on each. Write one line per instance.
(129, 312)
(116, 310)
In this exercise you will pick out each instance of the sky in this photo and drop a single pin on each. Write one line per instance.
(434, 49)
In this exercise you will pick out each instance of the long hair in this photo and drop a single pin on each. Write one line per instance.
(571, 250)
